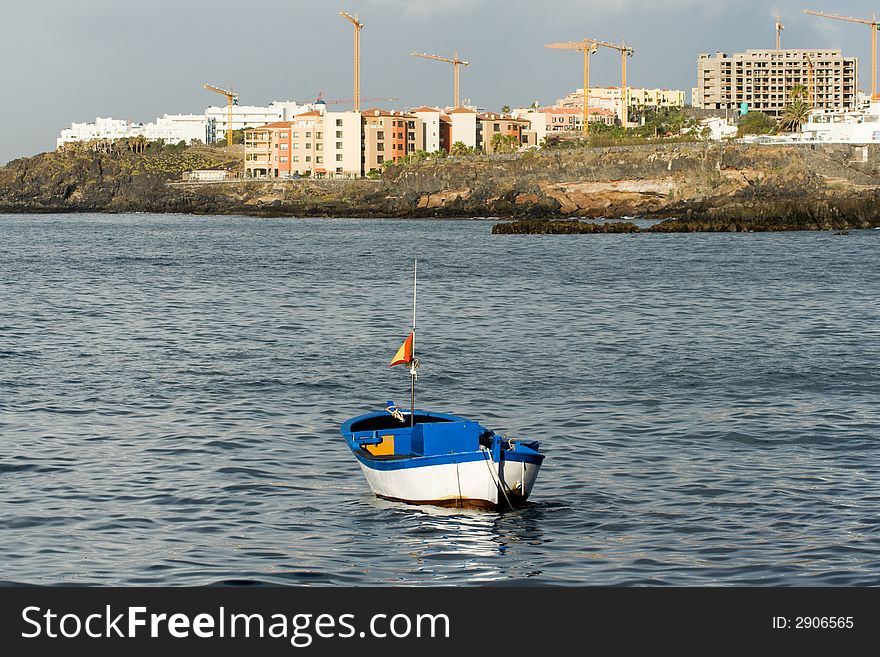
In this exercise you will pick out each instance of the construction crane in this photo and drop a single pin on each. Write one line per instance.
(358, 26)
(231, 99)
(809, 81)
(779, 28)
(590, 47)
(456, 65)
(874, 25)
(366, 100)
(625, 51)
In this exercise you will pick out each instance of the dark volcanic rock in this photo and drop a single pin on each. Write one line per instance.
(544, 227)
(693, 187)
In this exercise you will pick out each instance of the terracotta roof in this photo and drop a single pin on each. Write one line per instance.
(492, 116)
(425, 109)
(311, 113)
(278, 124)
(375, 111)
(461, 110)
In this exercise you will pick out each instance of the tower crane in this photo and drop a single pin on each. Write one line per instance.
(625, 51)
(779, 28)
(456, 65)
(358, 26)
(874, 25)
(366, 100)
(809, 81)
(590, 47)
(231, 99)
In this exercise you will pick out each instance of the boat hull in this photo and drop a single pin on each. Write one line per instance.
(442, 459)
(480, 483)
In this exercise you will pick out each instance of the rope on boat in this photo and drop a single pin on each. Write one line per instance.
(496, 479)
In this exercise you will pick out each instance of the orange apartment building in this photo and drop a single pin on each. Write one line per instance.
(389, 136)
(323, 145)
(490, 124)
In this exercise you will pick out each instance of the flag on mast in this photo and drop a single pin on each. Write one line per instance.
(404, 355)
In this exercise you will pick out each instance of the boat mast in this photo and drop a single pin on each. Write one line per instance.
(415, 363)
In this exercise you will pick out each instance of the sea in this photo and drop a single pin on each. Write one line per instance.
(171, 390)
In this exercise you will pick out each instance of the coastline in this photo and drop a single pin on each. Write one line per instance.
(691, 187)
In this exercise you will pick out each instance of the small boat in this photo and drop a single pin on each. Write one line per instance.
(426, 457)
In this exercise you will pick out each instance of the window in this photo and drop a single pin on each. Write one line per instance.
(338, 169)
(380, 147)
(295, 145)
(296, 158)
(412, 136)
(339, 134)
(338, 145)
(308, 135)
(338, 121)
(283, 147)
(380, 135)
(282, 135)
(308, 158)
(319, 147)
(283, 158)
(339, 157)
(319, 160)
(496, 127)
(319, 135)
(296, 135)
(380, 159)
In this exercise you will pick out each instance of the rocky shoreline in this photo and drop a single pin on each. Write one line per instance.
(685, 187)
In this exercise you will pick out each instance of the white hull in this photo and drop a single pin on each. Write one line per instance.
(472, 483)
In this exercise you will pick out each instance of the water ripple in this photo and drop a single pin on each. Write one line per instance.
(172, 388)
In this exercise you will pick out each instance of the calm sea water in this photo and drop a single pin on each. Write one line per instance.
(171, 389)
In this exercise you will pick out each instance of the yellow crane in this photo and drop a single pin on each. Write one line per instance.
(456, 64)
(366, 100)
(874, 25)
(231, 99)
(779, 28)
(590, 47)
(625, 51)
(358, 26)
(809, 81)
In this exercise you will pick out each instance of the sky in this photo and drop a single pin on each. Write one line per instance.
(64, 61)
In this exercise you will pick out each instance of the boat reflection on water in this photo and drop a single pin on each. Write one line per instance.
(459, 541)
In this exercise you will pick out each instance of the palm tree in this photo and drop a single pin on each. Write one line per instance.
(795, 115)
(798, 92)
(459, 148)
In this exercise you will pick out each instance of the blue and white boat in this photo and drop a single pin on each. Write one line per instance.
(426, 457)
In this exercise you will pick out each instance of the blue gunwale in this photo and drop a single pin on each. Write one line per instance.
(524, 452)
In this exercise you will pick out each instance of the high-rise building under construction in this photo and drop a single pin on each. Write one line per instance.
(763, 80)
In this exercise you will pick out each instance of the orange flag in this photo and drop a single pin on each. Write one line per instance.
(404, 355)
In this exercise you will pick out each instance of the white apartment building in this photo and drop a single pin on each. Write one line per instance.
(430, 117)
(101, 128)
(342, 144)
(609, 98)
(176, 128)
(172, 128)
(464, 126)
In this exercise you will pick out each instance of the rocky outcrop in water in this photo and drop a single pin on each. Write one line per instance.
(692, 187)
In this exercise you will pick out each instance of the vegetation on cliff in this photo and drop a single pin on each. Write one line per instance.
(707, 186)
